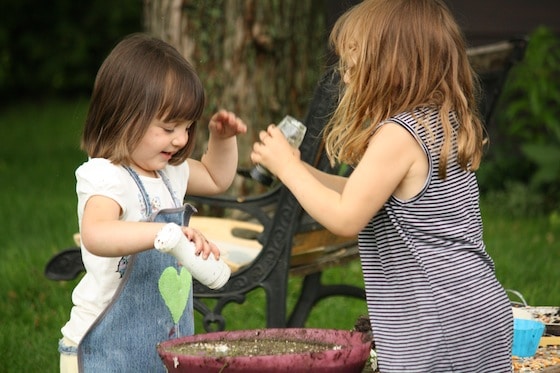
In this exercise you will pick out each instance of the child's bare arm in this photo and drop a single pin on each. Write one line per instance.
(103, 234)
(214, 173)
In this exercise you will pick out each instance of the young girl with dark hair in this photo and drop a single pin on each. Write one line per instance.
(138, 135)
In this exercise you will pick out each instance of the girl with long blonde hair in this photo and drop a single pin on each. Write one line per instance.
(408, 124)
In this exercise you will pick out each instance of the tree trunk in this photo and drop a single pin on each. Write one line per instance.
(260, 59)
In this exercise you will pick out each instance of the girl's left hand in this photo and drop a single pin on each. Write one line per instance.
(225, 124)
(273, 151)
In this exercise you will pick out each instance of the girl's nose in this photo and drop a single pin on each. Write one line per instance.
(180, 140)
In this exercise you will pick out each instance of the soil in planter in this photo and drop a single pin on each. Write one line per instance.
(250, 347)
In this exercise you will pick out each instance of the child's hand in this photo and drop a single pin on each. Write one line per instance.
(225, 124)
(203, 246)
(273, 151)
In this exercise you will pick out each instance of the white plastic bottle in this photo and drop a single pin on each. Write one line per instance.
(210, 272)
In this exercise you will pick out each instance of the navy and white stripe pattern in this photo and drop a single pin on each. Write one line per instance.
(433, 299)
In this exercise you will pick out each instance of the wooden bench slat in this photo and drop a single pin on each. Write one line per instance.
(313, 249)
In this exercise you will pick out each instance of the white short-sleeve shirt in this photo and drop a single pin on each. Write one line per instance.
(99, 176)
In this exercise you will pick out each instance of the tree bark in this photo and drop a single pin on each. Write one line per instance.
(260, 59)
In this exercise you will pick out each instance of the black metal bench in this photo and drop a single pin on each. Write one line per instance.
(284, 239)
(273, 238)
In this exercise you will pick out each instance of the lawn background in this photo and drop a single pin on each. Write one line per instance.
(39, 151)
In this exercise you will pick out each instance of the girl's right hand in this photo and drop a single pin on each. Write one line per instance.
(274, 152)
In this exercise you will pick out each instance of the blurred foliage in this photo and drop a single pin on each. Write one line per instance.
(524, 166)
(56, 47)
(516, 199)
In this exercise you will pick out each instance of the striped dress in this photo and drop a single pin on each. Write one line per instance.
(434, 302)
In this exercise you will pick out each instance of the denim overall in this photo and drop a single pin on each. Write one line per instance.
(124, 337)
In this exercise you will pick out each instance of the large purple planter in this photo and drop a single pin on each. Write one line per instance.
(350, 355)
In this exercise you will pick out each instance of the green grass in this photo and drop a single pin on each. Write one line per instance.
(526, 253)
(38, 155)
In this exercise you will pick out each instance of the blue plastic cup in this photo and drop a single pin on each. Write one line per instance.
(526, 337)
